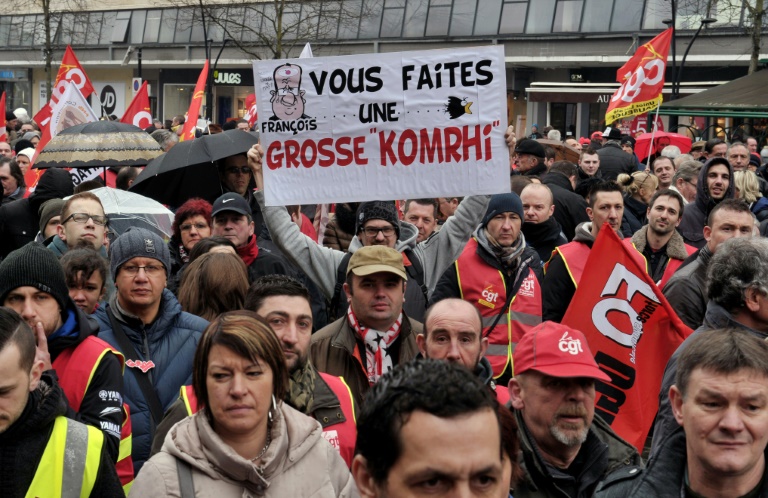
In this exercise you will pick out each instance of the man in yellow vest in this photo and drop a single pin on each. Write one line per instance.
(43, 453)
(499, 274)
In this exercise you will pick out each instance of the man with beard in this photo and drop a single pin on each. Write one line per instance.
(715, 184)
(662, 249)
(453, 332)
(499, 274)
(566, 450)
(284, 303)
(541, 229)
(563, 271)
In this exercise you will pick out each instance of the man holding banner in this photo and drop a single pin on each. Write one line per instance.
(322, 264)
(567, 451)
(563, 271)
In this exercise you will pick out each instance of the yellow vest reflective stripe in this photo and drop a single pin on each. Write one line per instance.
(70, 462)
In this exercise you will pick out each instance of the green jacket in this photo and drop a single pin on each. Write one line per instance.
(602, 454)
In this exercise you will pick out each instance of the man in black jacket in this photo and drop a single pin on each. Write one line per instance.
(613, 159)
(541, 229)
(20, 220)
(714, 185)
(35, 436)
(570, 207)
(686, 291)
(32, 283)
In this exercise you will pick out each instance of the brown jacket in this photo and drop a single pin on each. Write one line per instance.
(299, 462)
(333, 346)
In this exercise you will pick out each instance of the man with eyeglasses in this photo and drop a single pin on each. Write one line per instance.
(144, 321)
(231, 217)
(83, 224)
(236, 176)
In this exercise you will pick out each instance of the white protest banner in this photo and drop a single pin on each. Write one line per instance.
(383, 126)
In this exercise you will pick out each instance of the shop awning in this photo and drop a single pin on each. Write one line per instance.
(744, 97)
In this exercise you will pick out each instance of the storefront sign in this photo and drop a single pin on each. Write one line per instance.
(383, 126)
(111, 95)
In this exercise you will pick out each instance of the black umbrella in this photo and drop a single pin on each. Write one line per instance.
(187, 170)
(99, 144)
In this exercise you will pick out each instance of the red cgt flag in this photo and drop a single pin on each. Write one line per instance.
(188, 133)
(642, 79)
(138, 113)
(69, 71)
(3, 131)
(632, 331)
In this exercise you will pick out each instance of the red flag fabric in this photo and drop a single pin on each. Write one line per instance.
(642, 79)
(138, 113)
(632, 331)
(69, 71)
(188, 133)
(251, 114)
(3, 131)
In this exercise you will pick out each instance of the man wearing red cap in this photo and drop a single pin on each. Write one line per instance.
(567, 451)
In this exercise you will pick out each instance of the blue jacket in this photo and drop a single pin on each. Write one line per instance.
(170, 343)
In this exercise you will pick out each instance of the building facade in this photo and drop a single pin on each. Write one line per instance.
(561, 55)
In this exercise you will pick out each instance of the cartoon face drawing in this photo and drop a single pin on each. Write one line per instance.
(287, 97)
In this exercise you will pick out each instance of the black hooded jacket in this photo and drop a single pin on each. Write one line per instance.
(696, 213)
(20, 220)
(544, 237)
(570, 207)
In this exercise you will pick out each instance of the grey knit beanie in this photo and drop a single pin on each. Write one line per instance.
(48, 210)
(36, 266)
(138, 243)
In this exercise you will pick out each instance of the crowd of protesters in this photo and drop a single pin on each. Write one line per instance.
(396, 348)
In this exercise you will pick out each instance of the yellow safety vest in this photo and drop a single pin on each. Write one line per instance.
(70, 463)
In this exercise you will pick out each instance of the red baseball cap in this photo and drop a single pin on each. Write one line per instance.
(597, 135)
(558, 351)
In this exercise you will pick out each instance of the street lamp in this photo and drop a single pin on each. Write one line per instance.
(676, 87)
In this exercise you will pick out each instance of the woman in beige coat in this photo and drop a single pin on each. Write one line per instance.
(243, 442)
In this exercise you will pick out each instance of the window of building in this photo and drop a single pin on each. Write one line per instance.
(540, 16)
(252, 19)
(176, 98)
(392, 18)
(349, 21)
(598, 17)
(567, 16)
(138, 18)
(370, 22)
(463, 18)
(487, 18)
(65, 30)
(107, 27)
(627, 15)
(513, 17)
(439, 18)
(94, 28)
(152, 26)
(167, 25)
(120, 30)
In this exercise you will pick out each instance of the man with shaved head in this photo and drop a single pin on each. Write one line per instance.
(453, 333)
(540, 228)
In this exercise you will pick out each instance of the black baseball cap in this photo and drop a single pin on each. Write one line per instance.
(231, 201)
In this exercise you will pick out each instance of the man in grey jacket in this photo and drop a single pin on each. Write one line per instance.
(379, 224)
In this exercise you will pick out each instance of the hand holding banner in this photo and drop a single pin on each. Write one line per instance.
(632, 331)
(642, 80)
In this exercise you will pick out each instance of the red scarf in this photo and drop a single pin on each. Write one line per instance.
(377, 359)
(249, 251)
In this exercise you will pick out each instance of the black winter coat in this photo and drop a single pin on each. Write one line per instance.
(635, 216)
(614, 161)
(570, 207)
(20, 220)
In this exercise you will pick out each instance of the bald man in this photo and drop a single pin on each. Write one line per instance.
(540, 228)
(453, 333)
